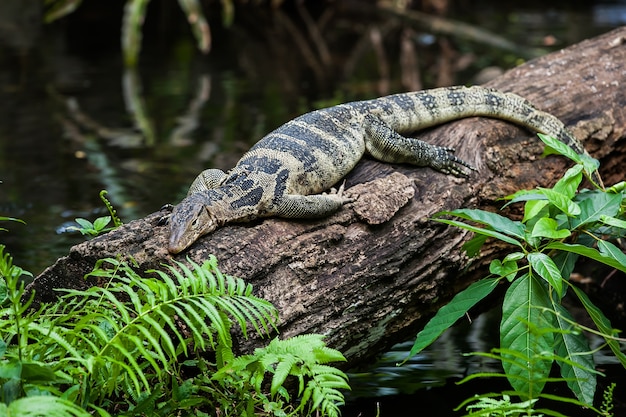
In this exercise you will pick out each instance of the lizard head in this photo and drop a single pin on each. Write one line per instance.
(190, 220)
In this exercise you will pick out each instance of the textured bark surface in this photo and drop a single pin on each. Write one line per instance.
(372, 274)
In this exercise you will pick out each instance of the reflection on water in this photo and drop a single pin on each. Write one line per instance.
(427, 383)
(438, 363)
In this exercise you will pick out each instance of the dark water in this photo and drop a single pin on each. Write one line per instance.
(73, 121)
(428, 383)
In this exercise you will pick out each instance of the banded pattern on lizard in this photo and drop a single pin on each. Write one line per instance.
(285, 172)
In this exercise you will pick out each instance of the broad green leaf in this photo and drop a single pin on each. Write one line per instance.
(561, 201)
(84, 223)
(579, 370)
(612, 221)
(44, 405)
(523, 195)
(507, 269)
(534, 208)
(617, 188)
(101, 222)
(602, 323)
(514, 256)
(566, 262)
(547, 227)
(570, 181)
(11, 369)
(37, 372)
(547, 269)
(556, 146)
(523, 306)
(495, 221)
(595, 205)
(451, 312)
(481, 231)
(590, 165)
(472, 246)
(588, 252)
(609, 249)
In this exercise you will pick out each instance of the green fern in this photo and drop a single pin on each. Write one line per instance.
(42, 406)
(127, 345)
(117, 222)
(303, 357)
(136, 328)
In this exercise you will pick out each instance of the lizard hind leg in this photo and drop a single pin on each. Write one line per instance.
(310, 206)
(387, 145)
(207, 179)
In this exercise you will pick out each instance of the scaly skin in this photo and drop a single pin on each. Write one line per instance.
(285, 172)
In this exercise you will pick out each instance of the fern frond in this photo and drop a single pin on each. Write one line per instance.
(302, 357)
(133, 329)
(117, 222)
(284, 368)
(42, 406)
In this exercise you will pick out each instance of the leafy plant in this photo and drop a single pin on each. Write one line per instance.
(9, 219)
(87, 228)
(491, 406)
(143, 346)
(21, 375)
(500, 404)
(302, 357)
(606, 409)
(97, 339)
(558, 226)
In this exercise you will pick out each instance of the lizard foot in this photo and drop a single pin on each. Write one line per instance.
(446, 162)
(164, 219)
(338, 193)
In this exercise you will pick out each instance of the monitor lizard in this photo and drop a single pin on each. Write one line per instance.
(285, 173)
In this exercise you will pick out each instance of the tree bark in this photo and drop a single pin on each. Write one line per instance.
(374, 272)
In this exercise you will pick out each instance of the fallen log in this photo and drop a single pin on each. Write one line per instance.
(374, 272)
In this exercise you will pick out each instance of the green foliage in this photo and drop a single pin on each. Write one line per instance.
(42, 406)
(490, 404)
(139, 345)
(607, 401)
(9, 219)
(88, 228)
(117, 222)
(559, 225)
(302, 357)
(99, 225)
(98, 337)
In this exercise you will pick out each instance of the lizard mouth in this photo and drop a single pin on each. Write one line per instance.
(190, 220)
(176, 243)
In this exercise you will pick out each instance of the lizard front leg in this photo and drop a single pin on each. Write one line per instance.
(387, 145)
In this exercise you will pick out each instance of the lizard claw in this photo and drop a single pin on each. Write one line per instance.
(164, 219)
(339, 194)
(448, 163)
